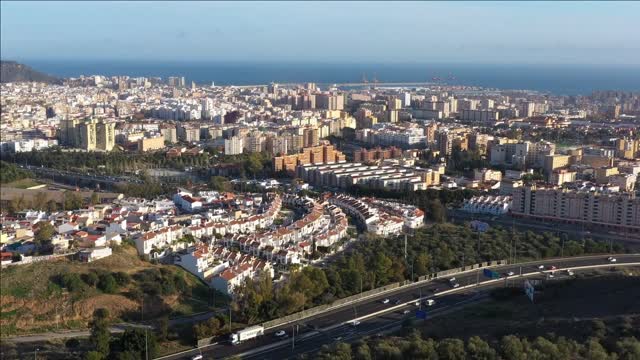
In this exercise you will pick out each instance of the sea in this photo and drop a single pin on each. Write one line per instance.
(552, 79)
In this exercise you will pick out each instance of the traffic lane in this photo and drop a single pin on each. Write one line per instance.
(369, 327)
(381, 318)
(344, 332)
(375, 303)
(407, 294)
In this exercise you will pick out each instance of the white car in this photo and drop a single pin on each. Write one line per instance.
(385, 301)
(510, 273)
(612, 259)
(405, 312)
(569, 272)
(455, 285)
(197, 357)
(541, 267)
(280, 333)
(430, 302)
(355, 323)
(452, 279)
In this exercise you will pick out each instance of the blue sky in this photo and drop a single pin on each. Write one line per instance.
(367, 32)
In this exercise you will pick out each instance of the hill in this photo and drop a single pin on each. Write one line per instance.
(62, 294)
(11, 71)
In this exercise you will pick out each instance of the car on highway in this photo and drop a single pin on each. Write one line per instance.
(385, 301)
(280, 333)
(337, 338)
(397, 302)
(453, 279)
(406, 312)
(612, 259)
(569, 272)
(355, 323)
(435, 290)
(429, 302)
(541, 267)
(455, 285)
(553, 267)
(510, 273)
(197, 357)
(418, 303)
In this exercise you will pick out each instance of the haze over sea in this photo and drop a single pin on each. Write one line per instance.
(555, 79)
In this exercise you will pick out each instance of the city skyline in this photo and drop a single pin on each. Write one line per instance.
(403, 32)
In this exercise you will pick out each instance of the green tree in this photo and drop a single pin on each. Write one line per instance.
(512, 348)
(342, 351)
(422, 264)
(479, 349)
(45, 232)
(628, 348)
(451, 349)
(100, 335)
(90, 278)
(362, 352)
(95, 198)
(107, 283)
(594, 350)
(220, 183)
(139, 341)
(94, 355)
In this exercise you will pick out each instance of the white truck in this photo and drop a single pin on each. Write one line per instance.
(246, 334)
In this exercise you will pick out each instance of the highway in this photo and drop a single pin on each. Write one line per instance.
(376, 317)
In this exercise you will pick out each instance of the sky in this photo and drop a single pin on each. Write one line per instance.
(324, 32)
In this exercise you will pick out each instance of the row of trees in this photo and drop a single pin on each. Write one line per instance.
(41, 201)
(79, 284)
(510, 347)
(116, 163)
(433, 202)
(11, 172)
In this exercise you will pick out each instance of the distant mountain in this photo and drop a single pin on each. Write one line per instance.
(11, 71)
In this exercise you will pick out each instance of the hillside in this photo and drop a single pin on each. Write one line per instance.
(63, 294)
(11, 71)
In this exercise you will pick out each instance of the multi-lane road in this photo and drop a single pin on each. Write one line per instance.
(375, 317)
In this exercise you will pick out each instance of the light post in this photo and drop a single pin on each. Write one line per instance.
(35, 353)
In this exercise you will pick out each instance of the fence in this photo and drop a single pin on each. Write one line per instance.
(344, 301)
(34, 259)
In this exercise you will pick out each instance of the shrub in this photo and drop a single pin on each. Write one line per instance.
(90, 279)
(107, 284)
(122, 278)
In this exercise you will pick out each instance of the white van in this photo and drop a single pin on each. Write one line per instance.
(430, 302)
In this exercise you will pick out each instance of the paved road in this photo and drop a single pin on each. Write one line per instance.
(375, 316)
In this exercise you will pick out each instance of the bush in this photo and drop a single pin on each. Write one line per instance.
(107, 284)
(90, 279)
(122, 278)
(72, 282)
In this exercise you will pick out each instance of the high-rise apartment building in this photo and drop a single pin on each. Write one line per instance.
(233, 145)
(321, 154)
(620, 211)
(105, 135)
(87, 135)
